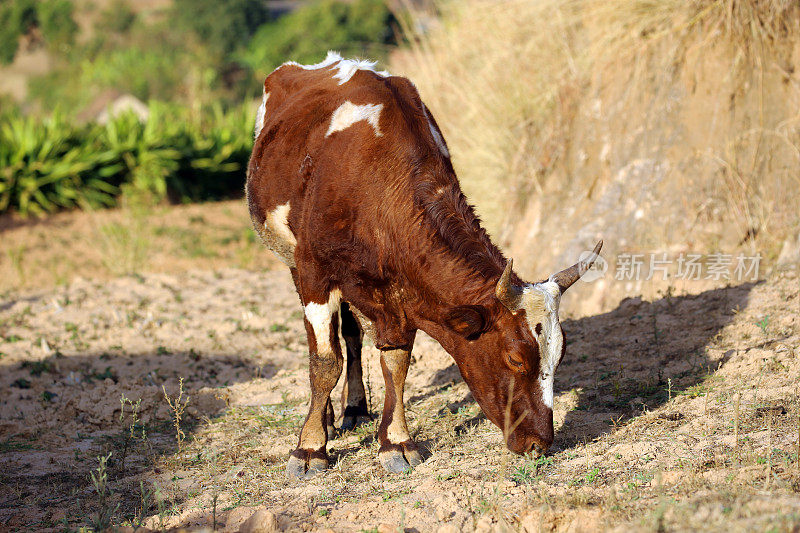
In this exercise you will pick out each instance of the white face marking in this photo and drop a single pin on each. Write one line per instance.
(348, 114)
(262, 109)
(319, 316)
(278, 236)
(437, 137)
(345, 68)
(541, 301)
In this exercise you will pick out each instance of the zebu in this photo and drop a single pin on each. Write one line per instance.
(350, 183)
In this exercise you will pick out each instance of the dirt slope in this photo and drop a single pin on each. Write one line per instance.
(648, 435)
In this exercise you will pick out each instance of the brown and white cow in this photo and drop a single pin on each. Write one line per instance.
(350, 184)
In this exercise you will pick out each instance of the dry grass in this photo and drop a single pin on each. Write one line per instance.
(43, 253)
(543, 104)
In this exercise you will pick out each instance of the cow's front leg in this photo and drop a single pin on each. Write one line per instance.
(325, 367)
(398, 452)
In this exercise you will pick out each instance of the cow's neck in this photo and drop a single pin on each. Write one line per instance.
(453, 282)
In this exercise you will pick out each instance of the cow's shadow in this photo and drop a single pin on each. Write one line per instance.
(631, 359)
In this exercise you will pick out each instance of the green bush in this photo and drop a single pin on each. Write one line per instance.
(117, 18)
(362, 27)
(56, 22)
(17, 17)
(222, 26)
(51, 164)
(47, 165)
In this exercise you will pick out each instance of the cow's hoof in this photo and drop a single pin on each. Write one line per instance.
(394, 462)
(400, 458)
(354, 416)
(305, 464)
(350, 422)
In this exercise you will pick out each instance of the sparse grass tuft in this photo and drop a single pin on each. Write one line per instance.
(104, 513)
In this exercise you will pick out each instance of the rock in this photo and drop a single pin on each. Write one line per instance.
(262, 521)
(484, 524)
(387, 528)
(790, 253)
(443, 514)
(237, 517)
(448, 528)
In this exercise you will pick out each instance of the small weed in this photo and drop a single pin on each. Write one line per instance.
(21, 383)
(763, 323)
(47, 396)
(101, 520)
(36, 368)
(587, 479)
(278, 328)
(178, 406)
(531, 470)
(133, 430)
(10, 445)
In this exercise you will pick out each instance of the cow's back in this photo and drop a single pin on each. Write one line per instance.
(336, 144)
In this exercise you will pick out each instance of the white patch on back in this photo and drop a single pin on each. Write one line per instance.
(348, 67)
(348, 114)
(551, 339)
(345, 68)
(278, 236)
(262, 109)
(329, 60)
(319, 316)
(437, 137)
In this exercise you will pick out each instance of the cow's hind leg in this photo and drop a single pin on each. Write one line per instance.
(398, 452)
(325, 367)
(354, 399)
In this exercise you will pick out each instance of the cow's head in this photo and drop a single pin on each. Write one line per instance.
(509, 354)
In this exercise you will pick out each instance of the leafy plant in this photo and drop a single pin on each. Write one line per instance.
(51, 164)
(531, 470)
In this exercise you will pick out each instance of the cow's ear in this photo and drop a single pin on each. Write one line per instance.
(467, 320)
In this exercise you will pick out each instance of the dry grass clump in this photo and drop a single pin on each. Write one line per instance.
(551, 99)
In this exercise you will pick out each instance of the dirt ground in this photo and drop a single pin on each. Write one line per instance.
(679, 413)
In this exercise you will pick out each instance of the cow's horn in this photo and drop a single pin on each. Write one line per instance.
(508, 294)
(568, 276)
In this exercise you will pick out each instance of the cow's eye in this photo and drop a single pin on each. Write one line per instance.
(516, 360)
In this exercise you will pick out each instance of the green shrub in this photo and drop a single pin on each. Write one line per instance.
(362, 27)
(47, 165)
(57, 23)
(51, 164)
(117, 18)
(222, 26)
(17, 17)
(144, 72)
